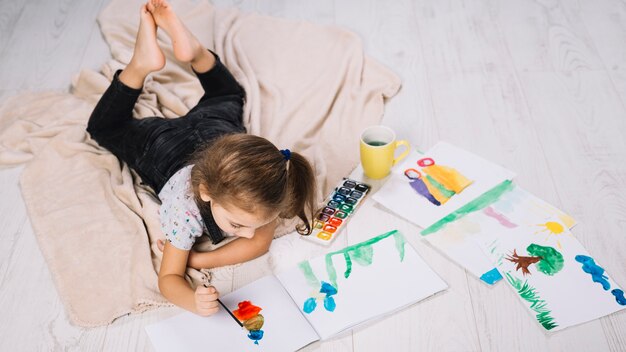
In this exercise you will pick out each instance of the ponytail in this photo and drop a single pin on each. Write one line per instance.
(302, 192)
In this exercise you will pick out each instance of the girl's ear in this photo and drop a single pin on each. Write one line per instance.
(204, 193)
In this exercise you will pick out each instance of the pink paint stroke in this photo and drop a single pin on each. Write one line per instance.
(489, 211)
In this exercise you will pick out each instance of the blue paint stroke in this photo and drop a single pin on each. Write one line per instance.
(255, 335)
(596, 271)
(328, 289)
(619, 296)
(329, 303)
(309, 305)
(492, 276)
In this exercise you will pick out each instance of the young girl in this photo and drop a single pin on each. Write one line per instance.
(210, 176)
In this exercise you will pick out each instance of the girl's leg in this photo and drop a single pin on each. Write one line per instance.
(216, 80)
(116, 105)
(147, 56)
(111, 123)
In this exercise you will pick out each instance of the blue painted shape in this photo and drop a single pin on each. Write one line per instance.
(255, 335)
(619, 296)
(593, 269)
(492, 276)
(329, 303)
(328, 289)
(309, 305)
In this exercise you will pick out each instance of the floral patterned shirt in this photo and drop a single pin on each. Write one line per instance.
(180, 217)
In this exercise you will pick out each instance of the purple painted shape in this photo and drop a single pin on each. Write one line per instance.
(489, 211)
(420, 187)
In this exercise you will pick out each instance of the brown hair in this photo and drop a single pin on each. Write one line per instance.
(250, 173)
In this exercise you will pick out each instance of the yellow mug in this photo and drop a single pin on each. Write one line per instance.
(378, 147)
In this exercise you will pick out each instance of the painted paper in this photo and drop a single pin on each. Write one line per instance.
(270, 317)
(249, 315)
(314, 300)
(501, 209)
(344, 288)
(555, 277)
(425, 188)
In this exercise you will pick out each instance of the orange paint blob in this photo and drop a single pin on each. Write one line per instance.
(246, 310)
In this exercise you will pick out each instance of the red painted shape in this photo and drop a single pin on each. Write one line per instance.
(246, 310)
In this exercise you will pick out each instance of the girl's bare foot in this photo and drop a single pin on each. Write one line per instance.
(147, 56)
(186, 46)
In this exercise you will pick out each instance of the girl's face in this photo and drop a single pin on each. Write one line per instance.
(238, 222)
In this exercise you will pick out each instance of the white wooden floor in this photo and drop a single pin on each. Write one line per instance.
(537, 86)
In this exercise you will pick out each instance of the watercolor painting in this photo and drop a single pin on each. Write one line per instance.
(559, 282)
(252, 321)
(503, 209)
(330, 289)
(313, 300)
(546, 259)
(325, 293)
(362, 254)
(436, 183)
(271, 322)
(425, 188)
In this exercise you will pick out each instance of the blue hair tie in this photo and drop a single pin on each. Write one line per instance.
(286, 154)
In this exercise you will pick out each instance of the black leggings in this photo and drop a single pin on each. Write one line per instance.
(156, 147)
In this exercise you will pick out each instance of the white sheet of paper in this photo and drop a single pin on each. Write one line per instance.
(382, 287)
(398, 196)
(569, 296)
(285, 329)
(515, 206)
(455, 243)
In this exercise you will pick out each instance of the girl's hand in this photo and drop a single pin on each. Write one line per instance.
(206, 300)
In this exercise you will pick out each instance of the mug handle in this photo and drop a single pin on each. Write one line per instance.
(404, 153)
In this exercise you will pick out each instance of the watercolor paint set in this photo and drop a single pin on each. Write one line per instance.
(337, 210)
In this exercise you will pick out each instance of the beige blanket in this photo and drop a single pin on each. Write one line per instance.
(309, 87)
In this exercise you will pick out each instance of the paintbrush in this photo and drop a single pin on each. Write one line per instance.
(228, 310)
(230, 313)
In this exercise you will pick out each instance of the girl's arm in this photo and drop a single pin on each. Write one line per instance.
(237, 251)
(172, 284)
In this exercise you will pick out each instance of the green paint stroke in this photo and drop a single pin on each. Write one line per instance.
(309, 275)
(551, 260)
(348, 271)
(444, 191)
(477, 204)
(362, 253)
(538, 305)
(363, 256)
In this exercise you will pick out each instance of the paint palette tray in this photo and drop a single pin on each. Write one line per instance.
(337, 210)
